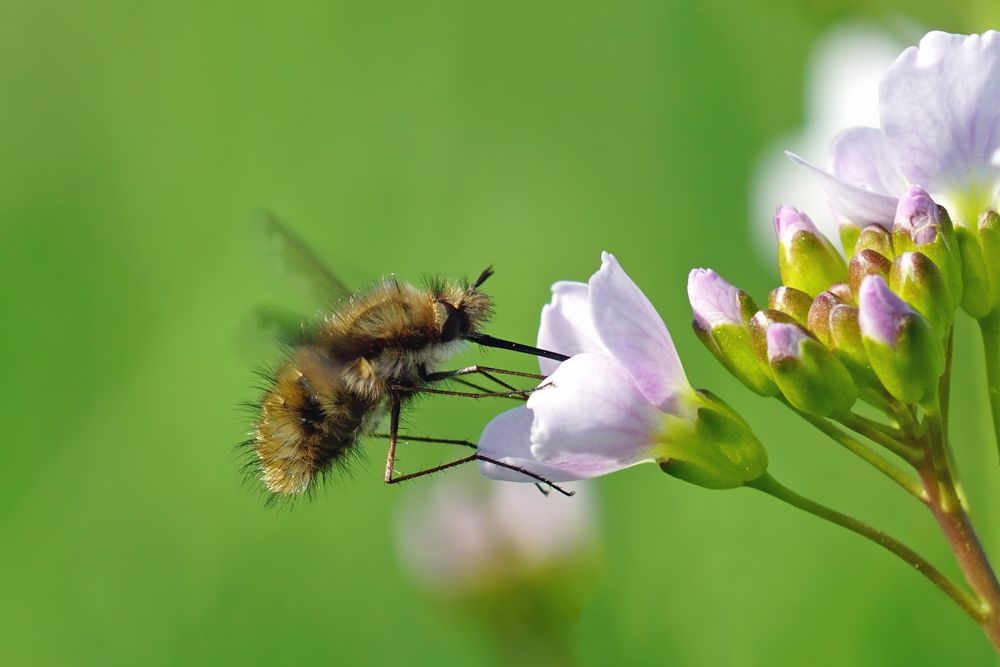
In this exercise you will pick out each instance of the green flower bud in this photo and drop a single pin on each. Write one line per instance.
(843, 292)
(721, 313)
(716, 450)
(790, 301)
(877, 238)
(866, 263)
(818, 320)
(977, 296)
(918, 281)
(806, 259)
(808, 374)
(847, 345)
(923, 226)
(849, 237)
(906, 354)
(759, 324)
(989, 240)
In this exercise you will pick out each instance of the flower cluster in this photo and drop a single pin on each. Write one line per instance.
(916, 200)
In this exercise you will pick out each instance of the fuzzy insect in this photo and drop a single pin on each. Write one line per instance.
(367, 358)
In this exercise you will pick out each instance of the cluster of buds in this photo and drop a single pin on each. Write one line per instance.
(876, 322)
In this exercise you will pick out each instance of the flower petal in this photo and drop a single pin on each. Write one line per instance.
(507, 438)
(858, 206)
(567, 326)
(713, 300)
(634, 334)
(860, 156)
(593, 419)
(940, 111)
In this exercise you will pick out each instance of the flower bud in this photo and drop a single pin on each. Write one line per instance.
(923, 226)
(847, 346)
(919, 282)
(849, 235)
(808, 374)
(989, 240)
(977, 296)
(905, 352)
(866, 263)
(806, 259)
(721, 313)
(843, 292)
(715, 450)
(877, 238)
(790, 301)
(759, 324)
(818, 320)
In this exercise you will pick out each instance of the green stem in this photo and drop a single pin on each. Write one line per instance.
(896, 474)
(874, 432)
(945, 504)
(989, 327)
(964, 600)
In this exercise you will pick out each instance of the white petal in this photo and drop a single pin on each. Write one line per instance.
(634, 334)
(940, 111)
(857, 205)
(567, 326)
(507, 438)
(592, 419)
(860, 156)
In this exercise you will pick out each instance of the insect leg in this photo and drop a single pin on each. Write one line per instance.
(483, 370)
(416, 438)
(517, 393)
(486, 372)
(390, 461)
(480, 457)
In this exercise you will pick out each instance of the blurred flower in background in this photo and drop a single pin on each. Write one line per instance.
(841, 91)
(518, 563)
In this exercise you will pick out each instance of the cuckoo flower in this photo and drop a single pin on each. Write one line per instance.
(457, 539)
(939, 111)
(621, 399)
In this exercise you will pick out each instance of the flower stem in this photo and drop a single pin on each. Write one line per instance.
(893, 472)
(876, 433)
(950, 514)
(964, 600)
(989, 327)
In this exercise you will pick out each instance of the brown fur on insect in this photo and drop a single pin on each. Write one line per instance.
(335, 385)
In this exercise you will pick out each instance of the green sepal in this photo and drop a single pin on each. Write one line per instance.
(715, 450)
(918, 281)
(810, 263)
(847, 346)
(877, 238)
(943, 251)
(849, 235)
(989, 241)
(911, 368)
(731, 345)
(866, 263)
(792, 302)
(815, 381)
(977, 297)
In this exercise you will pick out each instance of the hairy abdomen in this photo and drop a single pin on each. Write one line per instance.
(310, 419)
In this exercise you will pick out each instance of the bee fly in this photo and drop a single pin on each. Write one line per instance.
(372, 354)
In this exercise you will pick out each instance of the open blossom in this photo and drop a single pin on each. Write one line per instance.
(605, 407)
(939, 111)
(841, 91)
(621, 399)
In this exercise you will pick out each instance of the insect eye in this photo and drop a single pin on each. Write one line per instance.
(452, 325)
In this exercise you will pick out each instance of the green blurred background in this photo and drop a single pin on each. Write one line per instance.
(138, 140)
